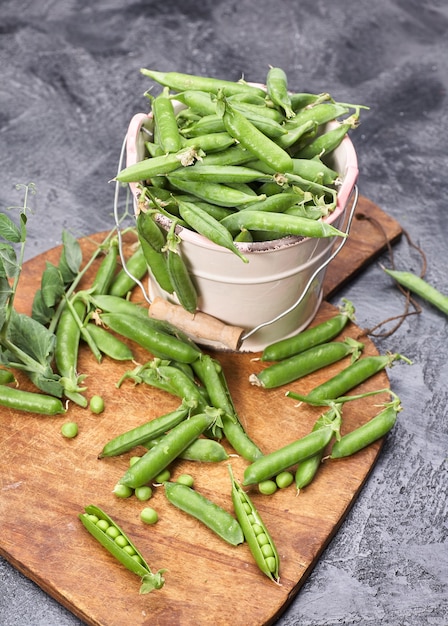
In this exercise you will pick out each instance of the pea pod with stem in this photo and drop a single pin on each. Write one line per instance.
(216, 518)
(280, 223)
(277, 89)
(157, 166)
(165, 123)
(30, 401)
(255, 531)
(106, 272)
(367, 433)
(209, 227)
(420, 287)
(136, 268)
(215, 193)
(202, 450)
(144, 432)
(312, 336)
(306, 470)
(328, 141)
(180, 82)
(212, 377)
(173, 444)
(112, 537)
(149, 335)
(292, 453)
(109, 344)
(253, 139)
(68, 336)
(304, 363)
(353, 375)
(178, 272)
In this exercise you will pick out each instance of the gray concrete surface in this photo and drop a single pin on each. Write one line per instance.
(70, 83)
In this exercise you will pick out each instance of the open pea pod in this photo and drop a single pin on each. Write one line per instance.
(111, 537)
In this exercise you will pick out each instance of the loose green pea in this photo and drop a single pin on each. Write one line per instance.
(143, 493)
(149, 515)
(185, 479)
(163, 476)
(122, 491)
(69, 430)
(284, 479)
(96, 404)
(267, 487)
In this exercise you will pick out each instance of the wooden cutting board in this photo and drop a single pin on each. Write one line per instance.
(46, 481)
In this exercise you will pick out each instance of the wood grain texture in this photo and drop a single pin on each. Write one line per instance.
(46, 481)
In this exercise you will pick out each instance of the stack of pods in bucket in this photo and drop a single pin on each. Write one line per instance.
(320, 168)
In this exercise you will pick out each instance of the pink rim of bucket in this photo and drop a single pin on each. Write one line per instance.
(343, 192)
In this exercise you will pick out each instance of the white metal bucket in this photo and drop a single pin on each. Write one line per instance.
(254, 294)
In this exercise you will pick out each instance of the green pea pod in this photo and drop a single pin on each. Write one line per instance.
(204, 510)
(106, 271)
(227, 174)
(109, 344)
(116, 304)
(210, 142)
(304, 363)
(216, 193)
(202, 450)
(6, 377)
(181, 281)
(124, 280)
(368, 433)
(420, 287)
(165, 123)
(313, 336)
(30, 401)
(157, 166)
(279, 223)
(151, 336)
(212, 377)
(143, 433)
(181, 385)
(277, 88)
(255, 531)
(254, 140)
(172, 445)
(348, 378)
(131, 558)
(307, 469)
(209, 227)
(148, 229)
(181, 82)
(285, 457)
(329, 140)
(235, 155)
(157, 265)
(68, 335)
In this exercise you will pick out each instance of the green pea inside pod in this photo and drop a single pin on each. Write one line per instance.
(98, 524)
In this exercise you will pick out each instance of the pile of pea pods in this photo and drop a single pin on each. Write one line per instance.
(235, 162)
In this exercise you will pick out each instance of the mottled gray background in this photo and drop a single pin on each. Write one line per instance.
(70, 83)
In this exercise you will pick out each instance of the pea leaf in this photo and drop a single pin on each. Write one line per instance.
(52, 285)
(8, 230)
(5, 294)
(40, 311)
(32, 338)
(71, 257)
(8, 261)
(47, 382)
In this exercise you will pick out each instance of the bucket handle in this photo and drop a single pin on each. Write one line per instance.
(355, 195)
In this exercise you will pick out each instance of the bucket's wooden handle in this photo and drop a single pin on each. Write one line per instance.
(199, 325)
